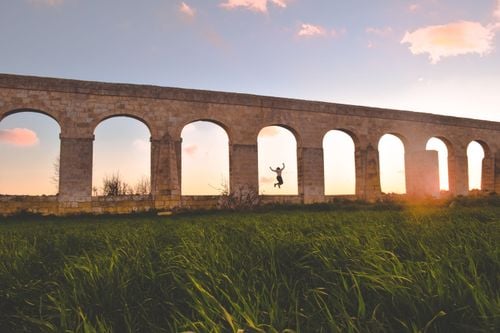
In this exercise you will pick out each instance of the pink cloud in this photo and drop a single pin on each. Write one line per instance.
(309, 30)
(496, 13)
(380, 32)
(18, 137)
(414, 7)
(255, 5)
(50, 3)
(338, 33)
(451, 39)
(269, 131)
(186, 10)
(191, 150)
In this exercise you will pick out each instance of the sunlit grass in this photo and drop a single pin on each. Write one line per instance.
(329, 270)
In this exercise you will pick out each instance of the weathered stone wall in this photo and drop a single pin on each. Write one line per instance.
(79, 106)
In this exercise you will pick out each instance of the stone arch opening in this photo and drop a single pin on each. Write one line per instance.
(479, 168)
(30, 149)
(442, 146)
(277, 144)
(392, 163)
(122, 150)
(204, 159)
(339, 162)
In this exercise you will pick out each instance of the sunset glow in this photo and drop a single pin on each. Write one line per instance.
(436, 57)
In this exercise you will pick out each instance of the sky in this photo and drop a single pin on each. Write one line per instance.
(433, 56)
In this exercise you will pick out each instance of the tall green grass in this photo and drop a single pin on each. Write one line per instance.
(384, 270)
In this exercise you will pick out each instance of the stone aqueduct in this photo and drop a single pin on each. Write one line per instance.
(79, 106)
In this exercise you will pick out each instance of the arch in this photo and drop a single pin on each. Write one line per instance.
(21, 110)
(30, 149)
(122, 148)
(204, 158)
(94, 124)
(277, 144)
(178, 132)
(339, 147)
(291, 129)
(391, 147)
(443, 147)
(478, 167)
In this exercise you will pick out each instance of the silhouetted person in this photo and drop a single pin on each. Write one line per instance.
(278, 175)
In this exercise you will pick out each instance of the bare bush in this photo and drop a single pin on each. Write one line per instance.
(242, 197)
(113, 185)
(143, 186)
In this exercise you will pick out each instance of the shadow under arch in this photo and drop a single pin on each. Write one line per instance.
(274, 147)
(124, 150)
(205, 158)
(30, 152)
(392, 168)
(340, 169)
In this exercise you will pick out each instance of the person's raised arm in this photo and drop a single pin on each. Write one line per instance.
(283, 166)
(271, 169)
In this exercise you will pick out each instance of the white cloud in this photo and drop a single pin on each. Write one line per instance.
(255, 5)
(186, 10)
(50, 3)
(414, 7)
(457, 38)
(141, 144)
(18, 137)
(308, 30)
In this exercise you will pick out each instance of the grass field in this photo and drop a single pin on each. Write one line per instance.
(312, 269)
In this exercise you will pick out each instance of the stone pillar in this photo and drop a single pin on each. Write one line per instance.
(458, 172)
(75, 170)
(367, 173)
(488, 174)
(422, 173)
(243, 166)
(311, 179)
(166, 172)
(496, 179)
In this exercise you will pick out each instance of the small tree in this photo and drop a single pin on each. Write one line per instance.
(143, 186)
(113, 185)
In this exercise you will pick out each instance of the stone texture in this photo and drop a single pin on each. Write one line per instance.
(79, 106)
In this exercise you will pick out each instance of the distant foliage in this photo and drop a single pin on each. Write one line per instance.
(114, 185)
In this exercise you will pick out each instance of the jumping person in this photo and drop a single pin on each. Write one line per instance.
(278, 175)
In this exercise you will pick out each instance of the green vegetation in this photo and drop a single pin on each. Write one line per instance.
(319, 269)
